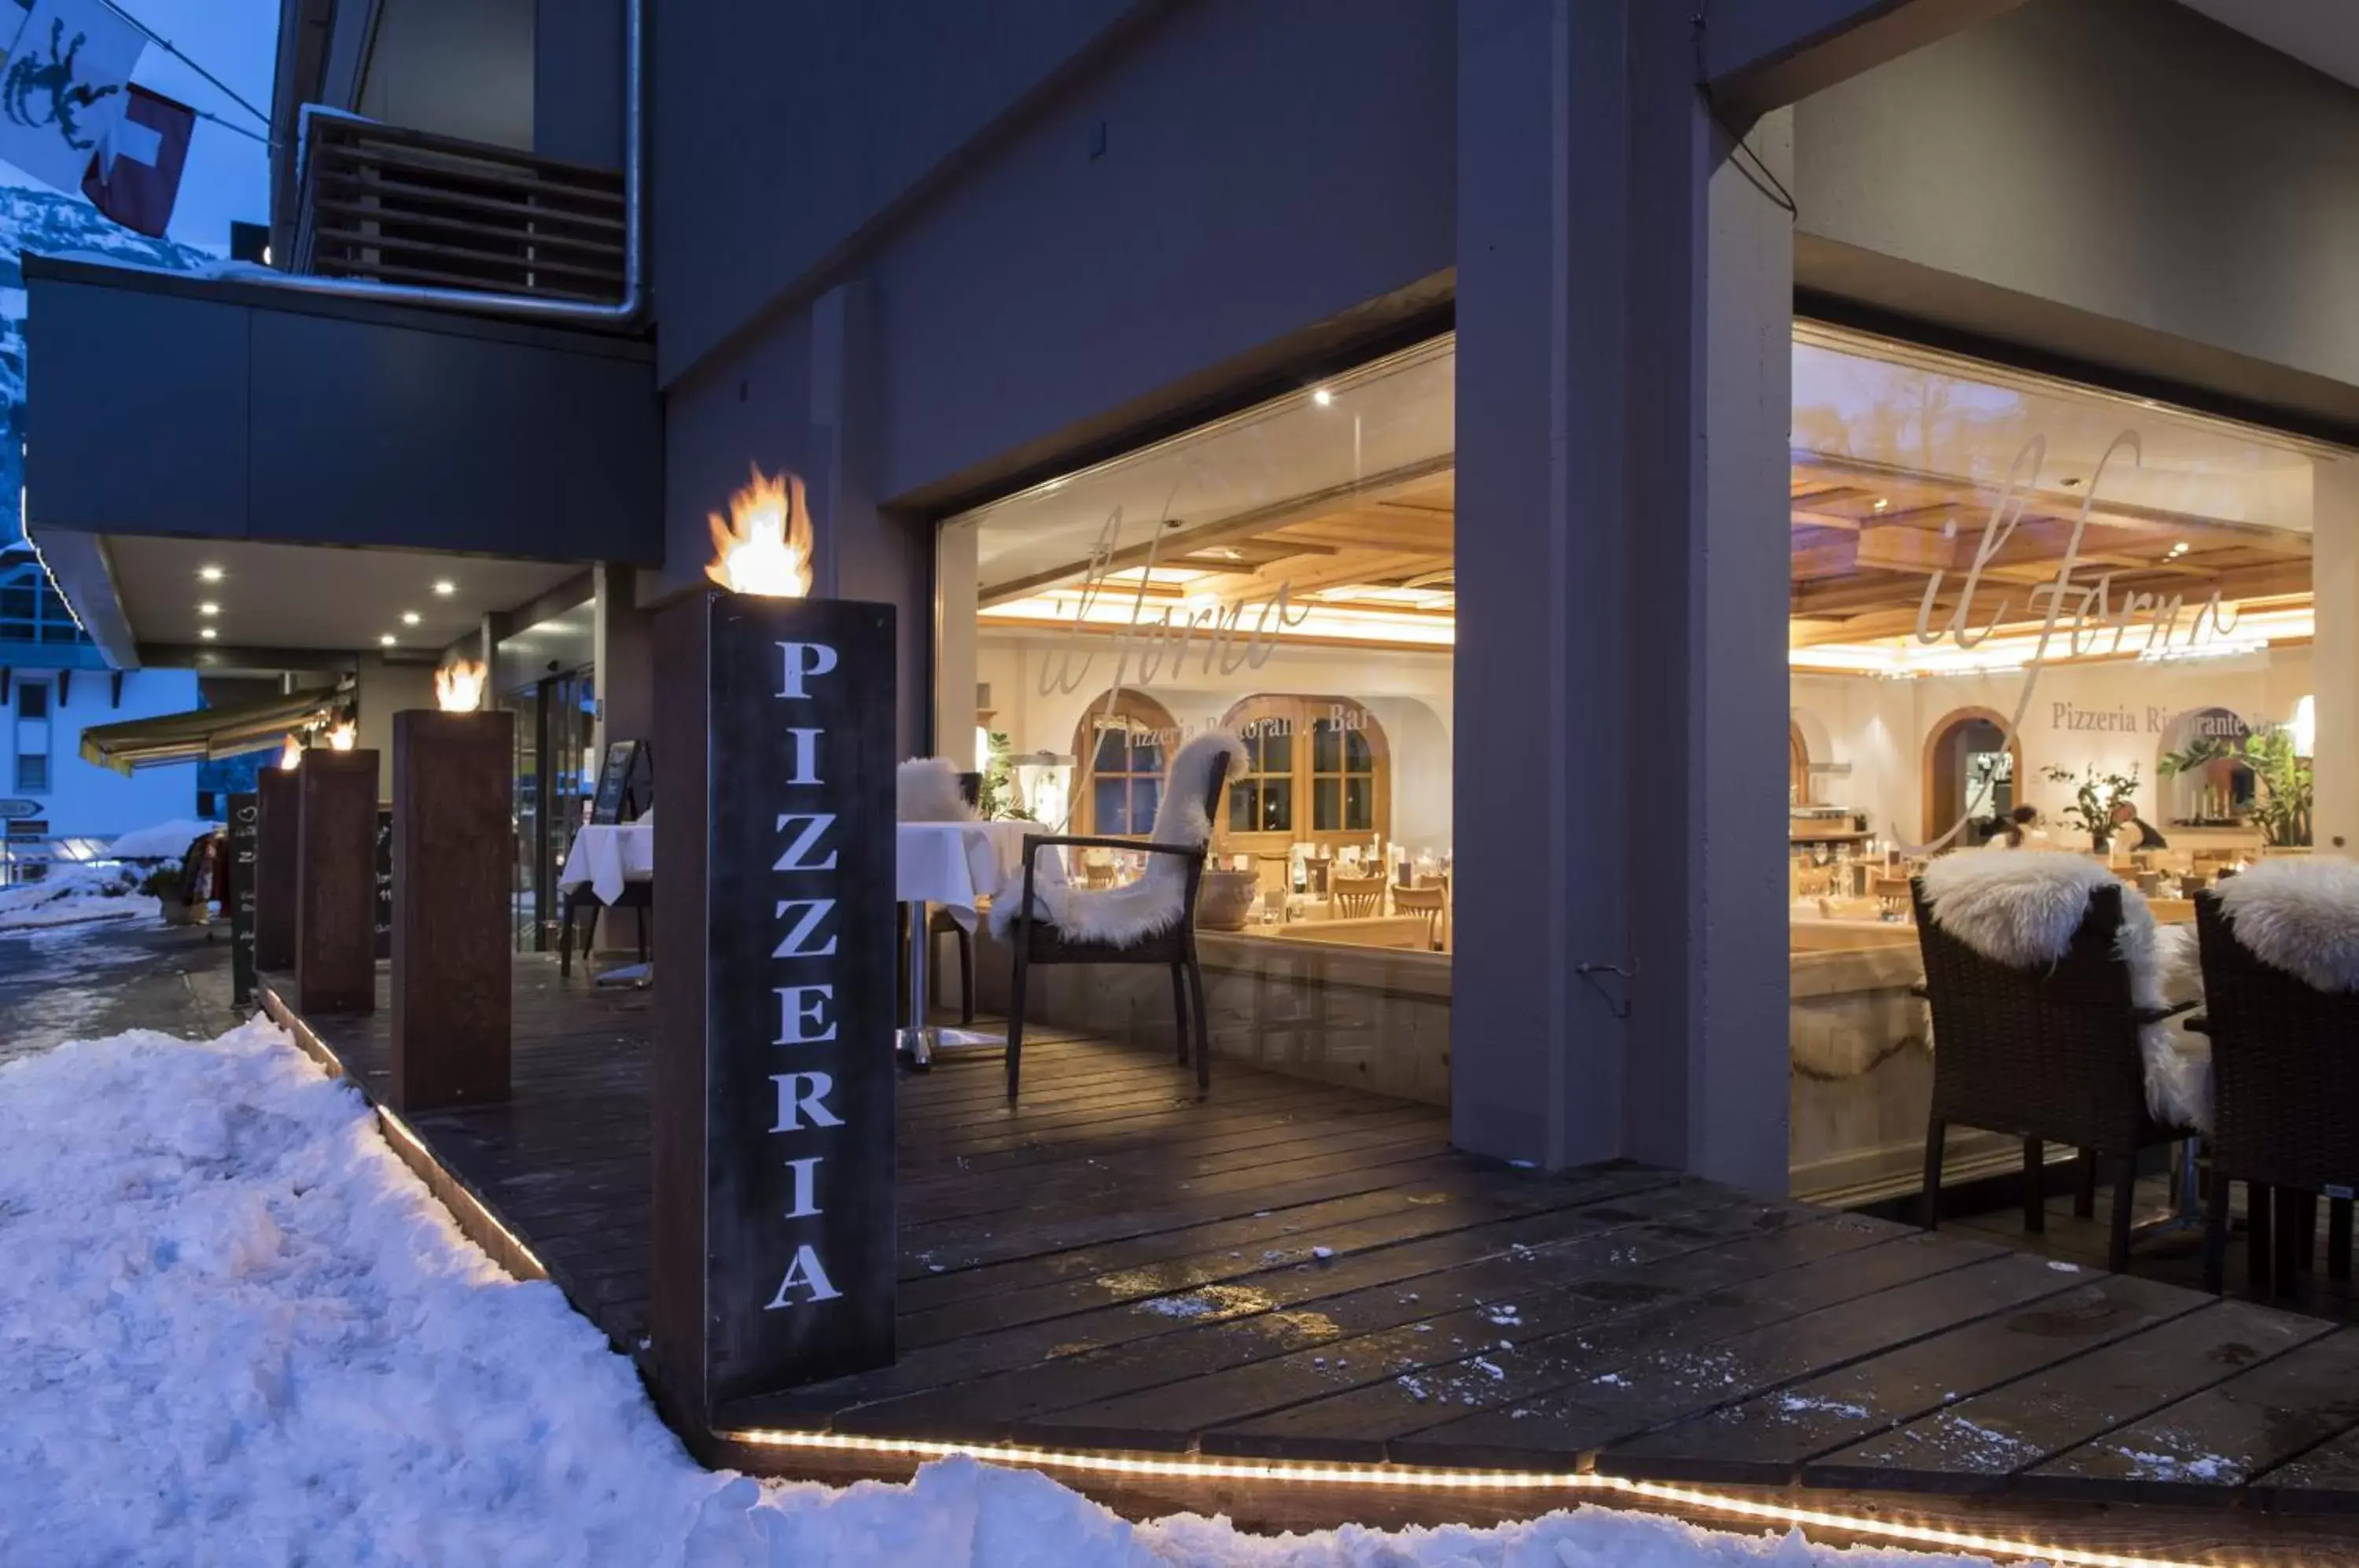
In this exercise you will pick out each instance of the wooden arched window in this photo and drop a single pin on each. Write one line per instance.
(1317, 771)
(1123, 743)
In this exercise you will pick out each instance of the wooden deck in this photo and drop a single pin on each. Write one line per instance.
(1295, 1271)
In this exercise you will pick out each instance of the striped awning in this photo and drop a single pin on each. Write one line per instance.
(207, 732)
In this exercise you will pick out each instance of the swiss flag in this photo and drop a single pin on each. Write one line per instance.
(135, 176)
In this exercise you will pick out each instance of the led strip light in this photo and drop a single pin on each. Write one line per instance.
(1410, 1478)
(1389, 1478)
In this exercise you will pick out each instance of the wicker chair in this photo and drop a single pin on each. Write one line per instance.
(2285, 1072)
(2045, 1054)
(1038, 942)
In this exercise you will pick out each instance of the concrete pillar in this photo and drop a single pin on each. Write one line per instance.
(2334, 656)
(1623, 316)
(380, 690)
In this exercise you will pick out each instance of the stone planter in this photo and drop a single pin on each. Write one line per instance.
(1225, 899)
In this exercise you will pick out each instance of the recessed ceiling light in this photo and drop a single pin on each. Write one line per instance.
(209, 573)
(1323, 397)
(387, 639)
(209, 608)
(446, 587)
(1881, 503)
(207, 633)
(408, 618)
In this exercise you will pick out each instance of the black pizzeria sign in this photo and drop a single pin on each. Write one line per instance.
(775, 960)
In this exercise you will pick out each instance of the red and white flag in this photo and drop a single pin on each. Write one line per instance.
(135, 176)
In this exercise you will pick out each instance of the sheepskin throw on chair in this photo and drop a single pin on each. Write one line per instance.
(2301, 915)
(1125, 916)
(926, 789)
(2022, 909)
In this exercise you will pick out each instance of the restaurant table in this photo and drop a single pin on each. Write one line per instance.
(607, 855)
(954, 864)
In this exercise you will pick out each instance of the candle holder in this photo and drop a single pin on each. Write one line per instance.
(335, 871)
(452, 1008)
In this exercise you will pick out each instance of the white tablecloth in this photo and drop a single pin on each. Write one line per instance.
(606, 855)
(955, 864)
(950, 863)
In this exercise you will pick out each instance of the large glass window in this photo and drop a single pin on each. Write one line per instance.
(2023, 612)
(1287, 575)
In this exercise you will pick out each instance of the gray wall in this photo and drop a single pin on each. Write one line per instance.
(463, 68)
(2121, 181)
(577, 104)
(788, 125)
(261, 418)
(1050, 296)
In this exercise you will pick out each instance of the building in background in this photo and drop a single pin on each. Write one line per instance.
(54, 683)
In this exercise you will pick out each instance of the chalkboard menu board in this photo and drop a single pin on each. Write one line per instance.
(384, 881)
(245, 820)
(621, 781)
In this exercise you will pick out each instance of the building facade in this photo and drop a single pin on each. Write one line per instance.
(53, 685)
(1541, 430)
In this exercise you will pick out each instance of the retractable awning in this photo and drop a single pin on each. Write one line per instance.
(207, 732)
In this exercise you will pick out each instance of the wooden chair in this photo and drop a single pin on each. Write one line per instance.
(638, 895)
(2284, 1076)
(1356, 898)
(1894, 895)
(2044, 1054)
(1430, 902)
(1038, 942)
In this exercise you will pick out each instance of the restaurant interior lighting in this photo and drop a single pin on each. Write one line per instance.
(446, 587)
(386, 640)
(408, 618)
(1323, 397)
(207, 633)
(209, 573)
(209, 608)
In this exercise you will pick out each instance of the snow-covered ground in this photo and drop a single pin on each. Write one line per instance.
(72, 894)
(234, 1329)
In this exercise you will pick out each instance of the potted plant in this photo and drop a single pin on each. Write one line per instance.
(170, 887)
(2286, 787)
(2094, 797)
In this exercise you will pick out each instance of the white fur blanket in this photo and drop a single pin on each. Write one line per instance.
(1128, 915)
(2301, 915)
(2021, 908)
(926, 789)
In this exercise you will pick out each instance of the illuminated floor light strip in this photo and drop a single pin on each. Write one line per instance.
(391, 1123)
(1409, 1478)
(476, 1206)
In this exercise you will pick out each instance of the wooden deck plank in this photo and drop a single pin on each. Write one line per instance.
(1099, 1398)
(991, 1304)
(2232, 1431)
(1974, 1444)
(1294, 1306)
(1467, 1404)
(1764, 1439)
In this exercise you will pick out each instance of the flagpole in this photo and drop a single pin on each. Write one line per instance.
(173, 50)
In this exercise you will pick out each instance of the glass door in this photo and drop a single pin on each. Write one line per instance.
(526, 900)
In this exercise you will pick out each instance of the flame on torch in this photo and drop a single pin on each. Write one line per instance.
(459, 688)
(343, 736)
(764, 548)
(291, 755)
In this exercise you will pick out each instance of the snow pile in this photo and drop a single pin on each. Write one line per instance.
(165, 841)
(233, 1328)
(72, 893)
